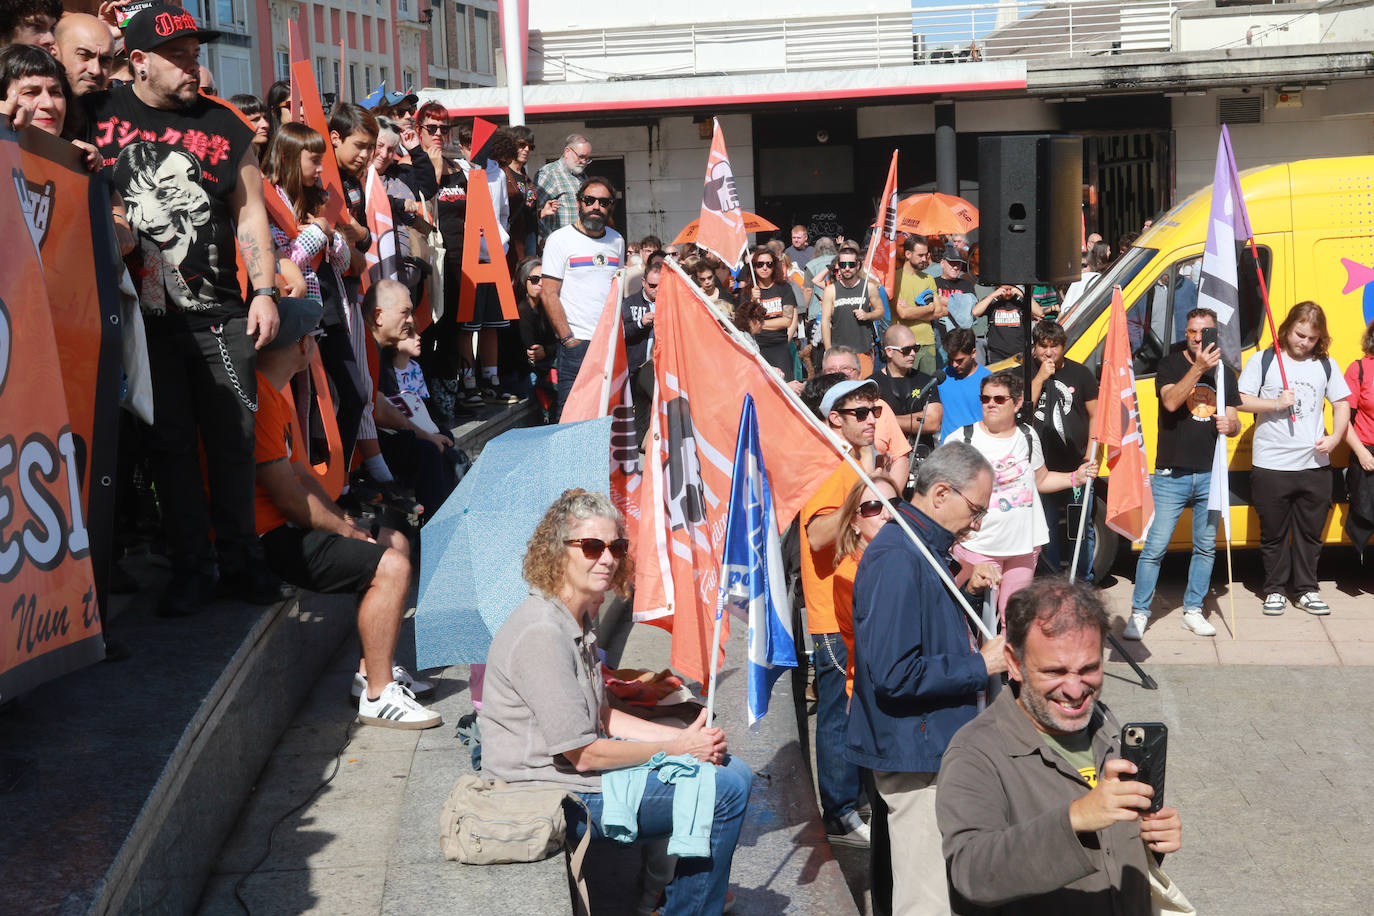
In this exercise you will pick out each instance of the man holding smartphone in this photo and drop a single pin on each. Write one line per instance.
(1038, 812)
(1188, 428)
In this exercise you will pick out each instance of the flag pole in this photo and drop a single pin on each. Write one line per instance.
(1274, 334)
(715, 662)
(840, 448)
(1083, 516)
(1230, 581)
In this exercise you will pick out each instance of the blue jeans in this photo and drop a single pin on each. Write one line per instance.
(1056, 507)
(700, 884)
(1173, 493)
(837, 778)
(569, 363)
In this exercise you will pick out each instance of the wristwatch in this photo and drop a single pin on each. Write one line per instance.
(266, 291)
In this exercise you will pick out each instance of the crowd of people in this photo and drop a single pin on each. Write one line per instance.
(988, 465)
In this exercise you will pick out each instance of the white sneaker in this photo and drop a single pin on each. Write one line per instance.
(398, 674)
(1312, 603)
(1135, 626)
(396, 708)
(1193, 620)
(1274, 603)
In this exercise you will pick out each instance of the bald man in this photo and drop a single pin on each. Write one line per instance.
(86, 51)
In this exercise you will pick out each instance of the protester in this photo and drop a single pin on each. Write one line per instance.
(1064, 393)
(764, 285)
(912, 395)
(916, 306)
(1186, 382)
(559, 186)
(850, 305)
(862, 515)
(637, 318)
(279, 104)
(1038, 812)
(30, 22)
(704, 272)
(524, 195)
(961, 390)
(894, 452)
(252, 108)
(800, 251)
(488, 322)
(545, 717)
(33, 81)
(402, 159)
(1359, 523)
(1013, 531)
(537, 335)
(1006, 336)
(86, 49)
(580, 261)
(850, 407)
(1095, 263)
(917, 675)
(187, 207)
(405, 206)
(310, 543)
(1291, 454)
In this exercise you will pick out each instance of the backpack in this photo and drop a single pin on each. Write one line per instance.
(1267, 360)
(967, 432)
(492, 823)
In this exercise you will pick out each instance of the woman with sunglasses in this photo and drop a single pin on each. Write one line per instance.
(545, 718)
(1013, 529)
(765, 284)
(862, 515)
(536, 335)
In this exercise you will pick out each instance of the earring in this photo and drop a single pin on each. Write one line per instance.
(143, 74)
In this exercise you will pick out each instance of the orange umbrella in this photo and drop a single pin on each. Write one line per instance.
(752, 223)
(936, 214)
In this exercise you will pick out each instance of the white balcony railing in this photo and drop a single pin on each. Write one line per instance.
(1009, 29)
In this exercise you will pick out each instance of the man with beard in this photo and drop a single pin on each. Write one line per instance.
(579, 262)
(558, 183)
(1039, 813)
(918, 673)
(186, 169)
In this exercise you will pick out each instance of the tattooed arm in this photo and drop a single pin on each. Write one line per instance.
(255, 244)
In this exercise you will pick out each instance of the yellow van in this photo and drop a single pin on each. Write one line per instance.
(1314, 229)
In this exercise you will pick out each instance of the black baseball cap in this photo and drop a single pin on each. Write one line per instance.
(298, 318)
(150, 25)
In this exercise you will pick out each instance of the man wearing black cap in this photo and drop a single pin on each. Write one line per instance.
(311, 543)
(189, 178)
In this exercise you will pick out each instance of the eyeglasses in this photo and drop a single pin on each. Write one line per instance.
(605, 202)
(406, 112)
(861, 413)
(874, 507)
(763, 263)
(844, 264)
(592, 548)
(524, 144)
(648, 285)
(535, 278)
(905, 351)
(979, 512)
(580, 158)
(998, 399)
(436, 128)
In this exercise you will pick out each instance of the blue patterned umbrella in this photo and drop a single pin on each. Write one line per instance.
(471, 551)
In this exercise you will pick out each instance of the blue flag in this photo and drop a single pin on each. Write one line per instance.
(753, 585)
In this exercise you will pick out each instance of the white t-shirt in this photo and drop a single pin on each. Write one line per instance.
(586, 266)
(1015, 524)
(1284, 442)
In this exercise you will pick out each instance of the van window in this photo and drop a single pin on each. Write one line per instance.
(1084, 312)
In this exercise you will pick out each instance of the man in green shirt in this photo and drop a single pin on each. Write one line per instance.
(918, 303)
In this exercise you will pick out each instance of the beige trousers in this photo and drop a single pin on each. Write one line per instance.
(918, 866)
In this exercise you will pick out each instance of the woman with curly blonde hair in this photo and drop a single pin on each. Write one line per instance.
(545, 718)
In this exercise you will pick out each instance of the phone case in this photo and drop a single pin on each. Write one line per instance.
(1148, 754)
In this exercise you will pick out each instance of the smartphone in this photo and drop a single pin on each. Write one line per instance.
(1209, 337)
(1145, 744)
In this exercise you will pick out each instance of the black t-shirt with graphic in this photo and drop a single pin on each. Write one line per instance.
(1188, 436)
(176, 171)
(775, 300)
(451, 206)
(1061, 415)
(1006, 336)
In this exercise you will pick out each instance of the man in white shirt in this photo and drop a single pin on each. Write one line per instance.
(579, 262)
(1291, 480)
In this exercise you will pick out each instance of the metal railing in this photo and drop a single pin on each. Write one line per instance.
(1005, 30)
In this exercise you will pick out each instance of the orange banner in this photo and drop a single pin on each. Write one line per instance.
(481, 226)
(702, 374)
(312, 113)
(58, 348)
(882, 249)
(721, 230)
(1130, 502)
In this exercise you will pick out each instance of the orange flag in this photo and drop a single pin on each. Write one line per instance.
(1130, 503)
(702, 374)
(312, 113)
(721, 230)
(603, 387)
(383, 258)
(882, 249)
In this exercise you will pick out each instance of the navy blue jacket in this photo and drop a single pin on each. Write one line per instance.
(916, 675)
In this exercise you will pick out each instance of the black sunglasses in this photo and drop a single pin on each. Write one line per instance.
(592, 548)
(998, 399)
(605, 202)
(436, 128)
(861, 413)
(872, 508)
(535, 278)
(907, 350)
(763, 263)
